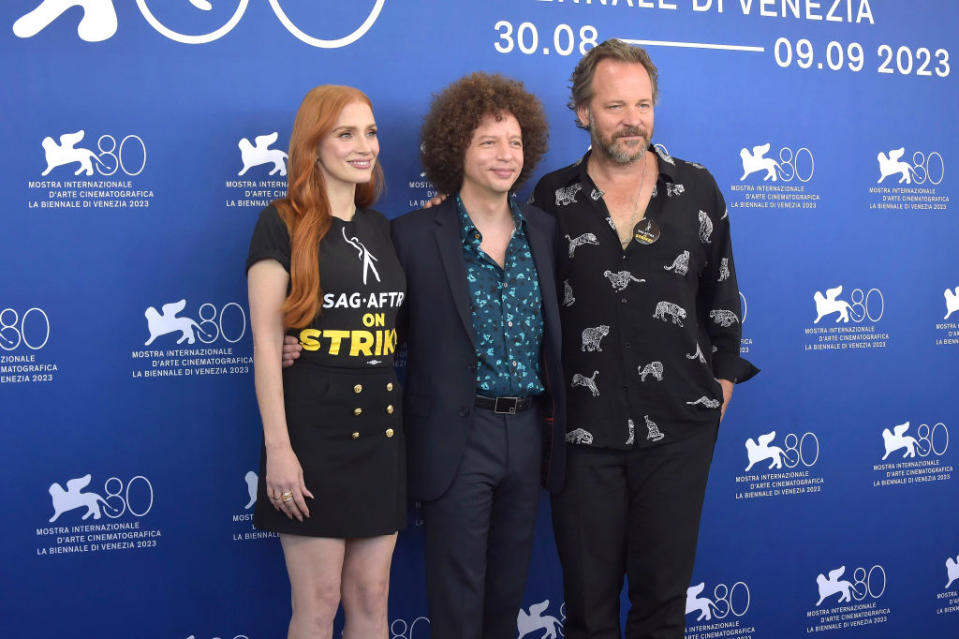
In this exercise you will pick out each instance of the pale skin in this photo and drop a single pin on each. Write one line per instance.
(323, 571)
(492, 162)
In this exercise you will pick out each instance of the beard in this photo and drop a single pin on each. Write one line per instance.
(620, 153)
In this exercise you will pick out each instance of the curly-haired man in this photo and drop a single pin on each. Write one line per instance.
(483, 339)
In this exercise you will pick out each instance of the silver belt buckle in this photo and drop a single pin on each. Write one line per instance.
(510, 402)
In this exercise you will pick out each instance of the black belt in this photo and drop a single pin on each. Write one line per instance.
(504, 405)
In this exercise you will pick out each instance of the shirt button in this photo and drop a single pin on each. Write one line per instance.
(389, 409)
(357, 411)
(510, 324)
(355, 435)
(514, 363)
(624, 300)
(627, 345)
(389, 432)
(623, 257)
(389, 386)
(358, 388)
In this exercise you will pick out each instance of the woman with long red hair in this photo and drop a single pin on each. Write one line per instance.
(322, 267)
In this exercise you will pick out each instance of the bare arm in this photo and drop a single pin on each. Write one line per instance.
(267, 282)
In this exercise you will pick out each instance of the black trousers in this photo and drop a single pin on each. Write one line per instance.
(633, 513)
(479, 533)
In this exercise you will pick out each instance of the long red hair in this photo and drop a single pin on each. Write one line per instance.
(306, 207)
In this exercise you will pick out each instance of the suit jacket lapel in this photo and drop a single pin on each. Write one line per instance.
(450, 247)
(543, 256)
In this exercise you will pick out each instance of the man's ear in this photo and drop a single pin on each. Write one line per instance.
(582, 113)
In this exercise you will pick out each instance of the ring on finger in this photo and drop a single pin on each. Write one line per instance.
(287, 496)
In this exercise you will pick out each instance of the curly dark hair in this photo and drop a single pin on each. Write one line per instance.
(457, 111)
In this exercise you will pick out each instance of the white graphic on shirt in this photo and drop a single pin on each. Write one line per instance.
(72, 498)
(723, 269)
(697, 354)
(374, 362)
(579, 436)
(99, 21)
(892, 165)
(251, 483)
(259, 153)
(611, 223)
(536, 620)
(630, 432)
(723, 317)
(567, 195)
(833, 585)
(596, 194)
(653, 368)
(897, 438)
(586, 382)
(680, 265)
(568, 299)
(159, 325)
(828, 304)
(697, 165)
(725, 214)
(654, 433)
(753, 162)
(760, 450)
(674, 311)
(621, 279)
(706, 401)
(952, 301)
(705, 228)
(64, 153)
(952, 570)
(364, 256)
(704, 605)
(672, 190)
(581, 240)
(593, 336)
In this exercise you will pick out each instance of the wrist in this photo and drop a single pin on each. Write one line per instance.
(278, 446)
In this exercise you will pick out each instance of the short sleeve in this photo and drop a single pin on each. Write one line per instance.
(270, 241)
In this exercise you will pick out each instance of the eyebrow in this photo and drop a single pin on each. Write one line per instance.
(352, 128)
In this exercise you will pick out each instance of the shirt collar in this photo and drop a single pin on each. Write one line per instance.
(667, 167)
(471, 235)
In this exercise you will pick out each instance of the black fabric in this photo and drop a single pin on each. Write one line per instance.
(646, 330)
(354, 464)
(479, 533)
(633, 513)
(437, 326)
(357, 324)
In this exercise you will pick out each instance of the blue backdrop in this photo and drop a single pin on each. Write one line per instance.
(129, 423)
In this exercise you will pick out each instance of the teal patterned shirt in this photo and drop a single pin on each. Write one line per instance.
(507, 311)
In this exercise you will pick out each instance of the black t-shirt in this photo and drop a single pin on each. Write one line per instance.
(363, 288)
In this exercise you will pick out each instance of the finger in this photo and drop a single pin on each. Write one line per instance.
(294, 506)
(306, 491)
(300, 504)
(286, 508)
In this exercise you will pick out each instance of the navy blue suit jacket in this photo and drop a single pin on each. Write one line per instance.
(437, 325)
